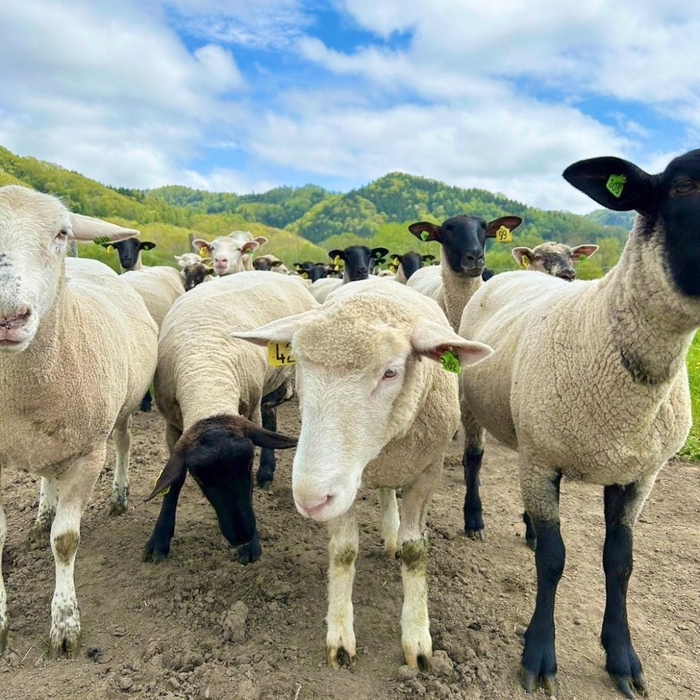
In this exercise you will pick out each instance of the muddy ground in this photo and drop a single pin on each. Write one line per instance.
(200, 625)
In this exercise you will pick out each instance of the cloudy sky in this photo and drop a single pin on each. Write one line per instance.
(244, 95)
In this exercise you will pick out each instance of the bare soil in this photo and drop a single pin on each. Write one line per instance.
(200, 625)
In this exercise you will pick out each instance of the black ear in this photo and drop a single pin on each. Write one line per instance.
(381, 261)
(266, 438)
(425, 258)
(276, 263)
(377, 253)
(425, 231)
(173, 471)
(147, 245)
(510, 222)
(615, 183)
(337, 254)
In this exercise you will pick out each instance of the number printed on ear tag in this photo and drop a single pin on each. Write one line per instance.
(504, 235)
(615, 185)
(450, 362)
(280, 354)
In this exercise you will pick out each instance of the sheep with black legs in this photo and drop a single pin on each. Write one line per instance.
(377, 407)
(462, 240)
(614, 404)
(553, 258)
(77, 353)
(217, 396)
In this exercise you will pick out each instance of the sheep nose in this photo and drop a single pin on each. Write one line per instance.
(567, 275)
(15, 320)
(313, 507)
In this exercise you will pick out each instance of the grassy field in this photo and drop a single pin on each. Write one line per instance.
(691, 449)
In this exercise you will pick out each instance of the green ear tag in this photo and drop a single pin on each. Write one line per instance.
(450, 362)
(424, 236)
(100, 240)
(616, 184)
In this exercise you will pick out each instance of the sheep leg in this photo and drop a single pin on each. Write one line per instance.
(158, 545)
(390, 521)
(473, 454)
(530, 534)
(413, 552)
(342, 550)
(172, 435)
(266, 470)
(120, 486)
(539, 661)
(622, 506)
(146, 402)
(4, 625)
(48, 496)
(75, 487)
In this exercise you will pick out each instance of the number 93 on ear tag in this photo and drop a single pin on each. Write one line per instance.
(504, 235)
(280, 354)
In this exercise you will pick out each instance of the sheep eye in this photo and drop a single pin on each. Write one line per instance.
(391, 373)
(538, 257)
(684, 186)
(62, 234)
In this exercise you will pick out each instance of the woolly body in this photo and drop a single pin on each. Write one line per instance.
(158, 286)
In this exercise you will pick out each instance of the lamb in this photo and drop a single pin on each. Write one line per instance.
(77, 352)
(231, 253)
(553, 258)
(377, 407)
(359, 262)
(270, 263)
(209, 388)
(462, 239)
(615, 405)
(403, 266)
(196, 274)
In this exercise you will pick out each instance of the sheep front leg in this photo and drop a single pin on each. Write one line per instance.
(48, 496)
(471, 462)
(390, 521)
(4, 625)
(541, 497)
(413, 552)
(75, 487)
(622, 506)
(120, 485)
(343, 546)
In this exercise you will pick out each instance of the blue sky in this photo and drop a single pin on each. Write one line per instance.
(246, 95)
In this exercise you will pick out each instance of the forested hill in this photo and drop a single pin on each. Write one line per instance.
(304, 222)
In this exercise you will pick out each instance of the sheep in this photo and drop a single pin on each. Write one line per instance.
(313, 271)
(209, 388)
(603, 399)
(462, 240)
(77, 352)
(231, 253)
(270, 263)
(376, 407)
(129, 252)
(403, 266)
(553, 258)
(187, 259)
(196, 274)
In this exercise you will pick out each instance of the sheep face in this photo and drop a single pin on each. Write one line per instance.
(228, 252)
(463, 240)
(312, 271)
(411, 262)
(669, 204)
(555, 259)
(187, 259)
(359, 261)
(130, 251)
(34, 231)
(196, 274)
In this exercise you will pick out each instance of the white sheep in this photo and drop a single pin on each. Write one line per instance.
(377, 407)
(553, 258)
(588, 380)
(462, 240)
(186, 259)
(77, 352)
(231, 253)
(211, 390)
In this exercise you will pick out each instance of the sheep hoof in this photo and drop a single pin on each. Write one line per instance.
(3, 637)
(155, 556)
(118, 508)
(625, 684)
(65, 641)
(340, 656)
(530, 682)
(391, 549)
(478, 535)
(422, 661)
(532, 543)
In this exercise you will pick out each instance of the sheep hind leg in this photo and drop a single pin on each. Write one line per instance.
(473, 455)
(390, 521)
(539, 661)
(342, 550)
(622, 506)
(48, 496)
(413, 552)
(120, 486)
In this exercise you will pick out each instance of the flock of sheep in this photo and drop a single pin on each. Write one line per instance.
(582, 379)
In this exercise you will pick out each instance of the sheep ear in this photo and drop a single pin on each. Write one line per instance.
(280, 331)
(199, 244)
(510, 222)
(425, 258)
(250, 246)
(173, 471)
(378, 253)
(87, 228)
(614, 183)
(268, 439)
(147, 245)
(425, 231)
(580, 250)
(432, 340)
(337, 254)
(521, 252)
(261, 240)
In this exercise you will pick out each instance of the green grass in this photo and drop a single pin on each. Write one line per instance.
(691, 449)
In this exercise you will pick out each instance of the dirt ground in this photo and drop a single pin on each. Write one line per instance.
(200, 625)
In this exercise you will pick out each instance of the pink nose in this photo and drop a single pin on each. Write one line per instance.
(14, 321)
(311, 508)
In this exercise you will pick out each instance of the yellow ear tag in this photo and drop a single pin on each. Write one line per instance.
(156, 481)
(280, 354)
(305, 275)
(336, 260)
(504, 235)
(336, 268)
(392, 268)
(203, 252)
(110, 248)
(450, 362)
(395, 261)
(524, 262)
(615, 185)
